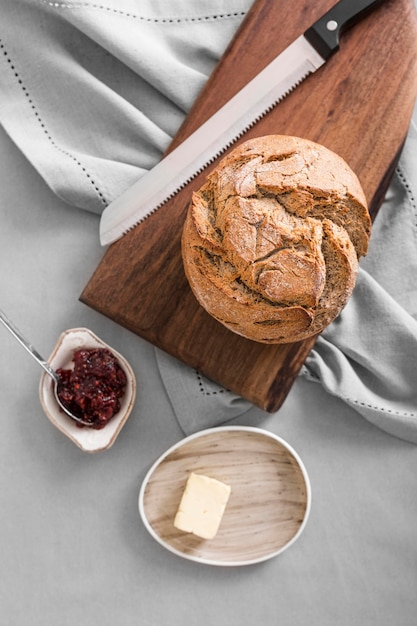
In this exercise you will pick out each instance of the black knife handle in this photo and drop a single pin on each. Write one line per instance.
(324, 34)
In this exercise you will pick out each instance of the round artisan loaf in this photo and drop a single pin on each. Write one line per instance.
(271, 241)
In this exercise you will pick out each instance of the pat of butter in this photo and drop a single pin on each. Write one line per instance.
(202, 506)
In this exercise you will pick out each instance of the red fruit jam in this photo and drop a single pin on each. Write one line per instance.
(92, 390)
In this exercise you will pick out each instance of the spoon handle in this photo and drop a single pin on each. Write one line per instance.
(28, 346)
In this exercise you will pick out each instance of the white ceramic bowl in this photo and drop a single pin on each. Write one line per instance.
(269, 503)
(88, 439)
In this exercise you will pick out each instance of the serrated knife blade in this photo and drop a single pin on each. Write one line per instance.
(302, 57)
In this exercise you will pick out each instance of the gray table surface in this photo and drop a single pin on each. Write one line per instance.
(73, 549)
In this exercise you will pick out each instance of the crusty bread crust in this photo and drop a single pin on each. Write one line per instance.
(271, 241)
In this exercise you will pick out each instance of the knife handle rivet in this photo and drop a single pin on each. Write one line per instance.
(332, 25)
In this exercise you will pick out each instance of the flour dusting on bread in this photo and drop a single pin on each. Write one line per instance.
(272, 240)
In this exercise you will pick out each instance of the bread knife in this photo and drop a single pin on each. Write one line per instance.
(302, 57)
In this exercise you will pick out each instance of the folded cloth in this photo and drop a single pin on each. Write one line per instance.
(368, 356)
(197, 401)
(93, 92)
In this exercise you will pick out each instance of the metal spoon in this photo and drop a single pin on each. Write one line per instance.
(48, 369)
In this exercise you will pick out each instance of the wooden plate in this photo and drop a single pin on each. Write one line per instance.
(268, 506)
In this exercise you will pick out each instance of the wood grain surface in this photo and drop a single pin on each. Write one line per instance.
(268, 504)
(359, 105)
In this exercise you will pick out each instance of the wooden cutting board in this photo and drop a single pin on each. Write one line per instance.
(359, 105)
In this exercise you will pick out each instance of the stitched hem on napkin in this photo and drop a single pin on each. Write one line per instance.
(197, 402)
(368, 356)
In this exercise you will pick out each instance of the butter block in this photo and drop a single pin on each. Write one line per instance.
(202, 506)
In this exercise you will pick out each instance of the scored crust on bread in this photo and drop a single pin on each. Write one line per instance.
(271, 241)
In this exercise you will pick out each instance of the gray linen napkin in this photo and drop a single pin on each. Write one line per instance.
(197, 401)
(96, 107)
(368, 356)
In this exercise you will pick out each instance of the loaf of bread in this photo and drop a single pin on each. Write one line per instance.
(271, 241)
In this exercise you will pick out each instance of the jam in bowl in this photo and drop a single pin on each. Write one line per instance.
(96, 382)
(92, 389)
